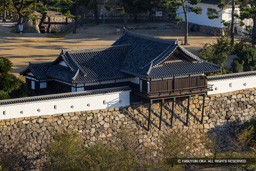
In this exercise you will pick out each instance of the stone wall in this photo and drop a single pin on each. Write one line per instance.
(29, 137)
(215, 31)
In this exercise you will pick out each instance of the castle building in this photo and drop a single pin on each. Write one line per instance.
(153, 68)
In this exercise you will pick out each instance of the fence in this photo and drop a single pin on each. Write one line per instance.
(65, 103)
(106, 98)
(232, 82)
(119, 19)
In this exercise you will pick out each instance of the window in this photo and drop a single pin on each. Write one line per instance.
(33, 85)
(80, 89)
(73, 89)
(43, 85)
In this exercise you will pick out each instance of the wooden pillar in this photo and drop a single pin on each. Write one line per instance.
(202, 117)
(149, 114)
(173, 105)
(160, 122)
(188, 110)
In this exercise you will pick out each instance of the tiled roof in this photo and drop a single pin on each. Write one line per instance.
(38, 69)
(60, 73)
(143, 50)
(99, 64)
(182, 68)
(64, 95)
(231, 76)
(133, 54)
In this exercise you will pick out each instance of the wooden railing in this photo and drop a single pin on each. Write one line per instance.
(179, 91)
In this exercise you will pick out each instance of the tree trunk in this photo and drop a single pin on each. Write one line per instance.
(42, 22)
(96, 16)
(76, 18)
(125, 20)
(253, 31)
(232, 31)
(186, 25)
(20, 20)
(4, 11)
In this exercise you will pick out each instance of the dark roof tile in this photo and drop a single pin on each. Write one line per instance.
(38, 70)
(182, 68)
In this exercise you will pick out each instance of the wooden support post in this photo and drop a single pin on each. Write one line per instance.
(162, 101)
(173, 104)
(149, 114)
(188, 110)
(202, 117)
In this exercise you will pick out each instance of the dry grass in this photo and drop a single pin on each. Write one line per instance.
(25, 48)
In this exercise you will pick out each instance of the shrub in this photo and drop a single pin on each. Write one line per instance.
(10, 85)
(68, 152)
(217, 53)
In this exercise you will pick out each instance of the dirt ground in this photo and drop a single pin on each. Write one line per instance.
(31, 47)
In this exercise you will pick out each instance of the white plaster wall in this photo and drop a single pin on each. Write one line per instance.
(234, 84)
(202, 19)
(66, 105)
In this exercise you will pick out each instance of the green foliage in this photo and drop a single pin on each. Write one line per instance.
(236, 66)
(246, 58)
(10, 85)
(5, 66)
(135, 7)
(172, 6)
(212, 13)
(217, 52)
(4, 95)
(196, 10)
(248, 11)
(225, 23)
(68, 152)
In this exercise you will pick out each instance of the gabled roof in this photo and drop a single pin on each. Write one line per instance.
(38, 69)
(147, 57)
(133, 54)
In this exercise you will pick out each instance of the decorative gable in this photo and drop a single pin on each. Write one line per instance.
(62, 63)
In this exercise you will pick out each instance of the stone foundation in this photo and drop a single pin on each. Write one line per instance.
(223, 112)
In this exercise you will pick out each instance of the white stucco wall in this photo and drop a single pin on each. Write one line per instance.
(232, 84)
(65, 105)
(202, 19)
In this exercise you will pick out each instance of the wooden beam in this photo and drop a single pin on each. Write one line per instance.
(202, 117)
(188, 110)
(173, 105)
(149, 114)
(160, 122)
